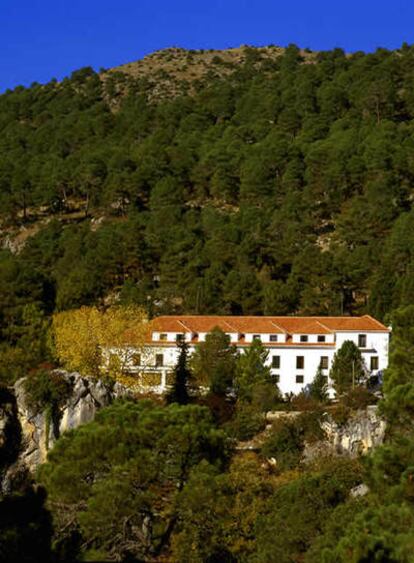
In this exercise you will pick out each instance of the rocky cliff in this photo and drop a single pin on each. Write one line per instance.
(362, 431)
(26, 435)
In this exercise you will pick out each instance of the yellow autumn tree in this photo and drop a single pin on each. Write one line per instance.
(93, 341)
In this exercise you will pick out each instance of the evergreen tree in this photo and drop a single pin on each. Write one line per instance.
(318, 389)
(182, 375)
(214, 362)
(348, 368)
(251, 370)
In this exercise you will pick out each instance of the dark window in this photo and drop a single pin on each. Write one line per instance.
(256, 337)
(303, 337)
(299, 379)
(321, 338)
(300, 362)
(179, 337)
(276, 378)
(136, 359)
(374, 362)
(276, 362)
(324, 362)
(273, 338)
(362, 340)
(159, 360)
(163, 336)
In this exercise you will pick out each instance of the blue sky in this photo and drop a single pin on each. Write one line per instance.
(42, 39)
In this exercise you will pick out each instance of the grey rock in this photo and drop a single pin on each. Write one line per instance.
(359, 491)
(362, 432)
(35, 435)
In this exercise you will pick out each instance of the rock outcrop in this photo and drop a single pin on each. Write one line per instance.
(361, 432)
(34, 434)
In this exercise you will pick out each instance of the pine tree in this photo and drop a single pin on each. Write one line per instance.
(179, 392)
(319, 388)
(348, 367)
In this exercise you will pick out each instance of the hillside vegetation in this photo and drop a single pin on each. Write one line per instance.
(278, 181)
(254, 181)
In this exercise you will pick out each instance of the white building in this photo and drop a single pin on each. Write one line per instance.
(296, 346)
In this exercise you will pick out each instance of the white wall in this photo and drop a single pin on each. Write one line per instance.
(288, 370)
(377, 345)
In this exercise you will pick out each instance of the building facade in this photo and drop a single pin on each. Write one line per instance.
(296, 346)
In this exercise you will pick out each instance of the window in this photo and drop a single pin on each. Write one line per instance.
(321, 338)
(362, 340)
(324, 362)
(374, 362)
(276, 378)
(136, 359)
(163, 336)
(256, 337)
(300, 362)
(159, 360)
(303, 337)
(179, 338)
(299, 379)
(276, 362)
(273, 337)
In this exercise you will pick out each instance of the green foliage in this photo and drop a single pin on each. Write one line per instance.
(182, 375)
(398, 405)
(347, 369)
(286, 440)
(217, 512)
(299, 509)
(319, 387)
(25, 342)
(122, 472)
(277, 187)
(47, 391)
(284, 443)
(251, 371)
(377, 534)
(246, 422)
(46, 388)
(214, 362)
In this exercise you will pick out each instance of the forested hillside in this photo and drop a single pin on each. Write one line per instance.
(254, 181)
(248, 181)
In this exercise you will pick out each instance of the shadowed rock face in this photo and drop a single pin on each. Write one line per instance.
(29, 434)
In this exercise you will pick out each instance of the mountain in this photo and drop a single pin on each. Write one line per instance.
(248, 180)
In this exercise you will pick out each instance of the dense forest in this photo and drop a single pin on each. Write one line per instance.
(281, 187)
(272, 181)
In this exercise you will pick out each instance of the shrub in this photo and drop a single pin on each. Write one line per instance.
(285, 443)
(46, 388)
(247, 422)
(358, 398)
(309, 424)
(48, 391)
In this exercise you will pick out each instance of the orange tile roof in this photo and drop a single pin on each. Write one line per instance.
(265, 325)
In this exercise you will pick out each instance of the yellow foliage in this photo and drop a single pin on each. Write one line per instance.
(150, 379)
(82, 335)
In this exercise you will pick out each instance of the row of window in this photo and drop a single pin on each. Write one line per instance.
(300, 361)
(362, 338)
(272, 337)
